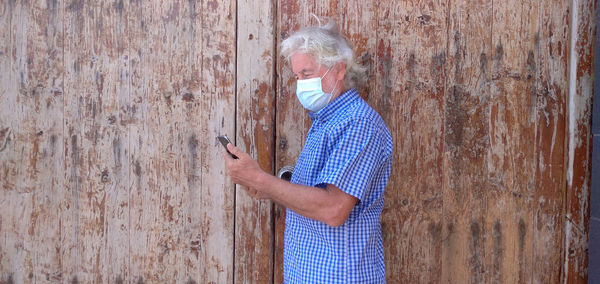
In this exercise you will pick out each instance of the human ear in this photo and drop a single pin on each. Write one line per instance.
(340, 69)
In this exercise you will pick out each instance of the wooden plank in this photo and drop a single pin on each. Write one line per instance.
(551, 100)
(96, 152)
(21, 188)
(10, 259)
(509, 71)
(466, 143)
(167, 216)
(579, 145)
(409, 94)
(45, 85)
(144, 148)
(216, 67)
(74, 50)
(191, 237)
(193, 47)
(31, 150)
(177, 145)
(114, 68)
(255, 134)
(8, 95)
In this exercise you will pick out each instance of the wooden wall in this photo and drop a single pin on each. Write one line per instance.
(110, 172)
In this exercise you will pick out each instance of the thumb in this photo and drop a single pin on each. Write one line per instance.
(234, 150)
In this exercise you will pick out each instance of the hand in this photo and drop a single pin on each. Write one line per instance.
(244, 170)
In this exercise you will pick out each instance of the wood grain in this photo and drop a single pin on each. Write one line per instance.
(109, 171)
(192, 232)
(215, 65)
(583, 24)
(8, 122)
(508, 71)
(551, 91)
(466, 143)
(31, 134)
(255, 125)
(410, 75)
(143, 140)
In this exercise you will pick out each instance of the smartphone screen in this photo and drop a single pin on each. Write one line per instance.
(224, 141)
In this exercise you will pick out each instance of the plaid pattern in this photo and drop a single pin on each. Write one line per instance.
(350, 147)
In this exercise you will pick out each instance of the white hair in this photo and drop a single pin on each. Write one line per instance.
(328, 46)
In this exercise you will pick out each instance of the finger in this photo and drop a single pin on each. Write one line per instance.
(226, 157)
(234, 150)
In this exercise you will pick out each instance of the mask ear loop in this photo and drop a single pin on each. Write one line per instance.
(326, 72)
(334, 86)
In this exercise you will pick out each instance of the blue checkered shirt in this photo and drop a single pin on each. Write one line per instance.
(350, 147)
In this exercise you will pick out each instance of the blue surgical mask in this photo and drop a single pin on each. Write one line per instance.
(310, 93)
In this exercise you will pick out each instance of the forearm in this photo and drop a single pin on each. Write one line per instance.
(311, 202)
(331, 205)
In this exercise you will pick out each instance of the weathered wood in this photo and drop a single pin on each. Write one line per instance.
(97, 150)
(579, 145)
(144, 142)
(551, 96)
(8, 124)
(508, 73)
(78, 259)
(113, 172)
(193, 88)
(49, 71)
(409, 94)
(29, 139)
(255, 135)
(466, 143)
(110, 172)
(172, 34)
(143, 145)
(215, 64)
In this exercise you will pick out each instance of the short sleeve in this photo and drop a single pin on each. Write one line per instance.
(354, 157)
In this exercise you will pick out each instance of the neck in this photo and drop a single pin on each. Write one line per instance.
(342, 89)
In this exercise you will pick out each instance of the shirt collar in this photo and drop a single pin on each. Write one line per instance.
(332, 107)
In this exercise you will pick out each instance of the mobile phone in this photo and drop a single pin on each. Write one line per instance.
(224, 141)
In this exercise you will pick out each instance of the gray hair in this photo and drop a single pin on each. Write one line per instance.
(328, 46)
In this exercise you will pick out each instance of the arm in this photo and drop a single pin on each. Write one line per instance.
(331, 205)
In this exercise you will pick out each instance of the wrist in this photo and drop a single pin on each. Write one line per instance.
(259, 180)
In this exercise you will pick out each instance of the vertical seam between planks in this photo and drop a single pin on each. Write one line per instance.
(536, 85)
(64, 158)
(444, 187)
(489, 134)
(235, 118)
(128, 271)
(274, 85)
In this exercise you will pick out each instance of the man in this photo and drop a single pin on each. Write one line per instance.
(335, 197)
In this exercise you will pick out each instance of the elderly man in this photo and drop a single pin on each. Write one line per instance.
(335, 197)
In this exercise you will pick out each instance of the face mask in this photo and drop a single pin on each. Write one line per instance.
(310, 93)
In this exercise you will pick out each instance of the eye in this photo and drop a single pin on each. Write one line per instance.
(307, 75)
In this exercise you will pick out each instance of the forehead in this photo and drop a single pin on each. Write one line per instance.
(303, 61)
